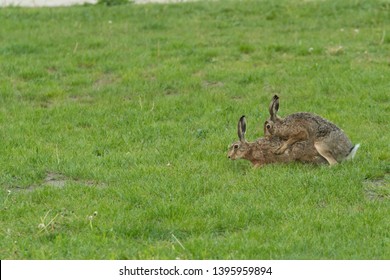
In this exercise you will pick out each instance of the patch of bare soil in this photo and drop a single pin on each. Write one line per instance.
(377, 189)
(58, 180)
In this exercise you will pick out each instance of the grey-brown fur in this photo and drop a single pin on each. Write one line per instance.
(329, 140)
(262, 150)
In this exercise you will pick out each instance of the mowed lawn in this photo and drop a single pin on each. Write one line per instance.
(115, 123)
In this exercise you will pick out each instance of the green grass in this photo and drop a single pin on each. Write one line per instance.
(115, 123)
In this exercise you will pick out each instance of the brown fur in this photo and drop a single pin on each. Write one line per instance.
(261, 151)
(329, 140)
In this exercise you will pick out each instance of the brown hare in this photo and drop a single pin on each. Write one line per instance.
(329, 140)
(261, 151)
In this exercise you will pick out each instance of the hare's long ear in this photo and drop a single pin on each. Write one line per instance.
(274, 107)
(242, 129)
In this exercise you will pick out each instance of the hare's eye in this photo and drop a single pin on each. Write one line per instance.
(268, 126)
(235, 146)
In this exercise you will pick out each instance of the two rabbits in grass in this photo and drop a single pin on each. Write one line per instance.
(303, 137)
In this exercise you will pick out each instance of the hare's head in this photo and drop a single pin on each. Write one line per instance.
(268, 128)
(240, 148)
(273, 110)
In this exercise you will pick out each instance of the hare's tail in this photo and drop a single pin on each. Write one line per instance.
(353, 151)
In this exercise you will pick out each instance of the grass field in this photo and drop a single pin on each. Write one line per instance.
(115, 123)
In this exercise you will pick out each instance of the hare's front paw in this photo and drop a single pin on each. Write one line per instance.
(280, 150)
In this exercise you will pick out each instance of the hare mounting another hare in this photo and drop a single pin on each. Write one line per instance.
(261, 151)
(329, 140)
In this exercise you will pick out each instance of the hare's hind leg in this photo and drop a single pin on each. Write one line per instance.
(324, 151)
